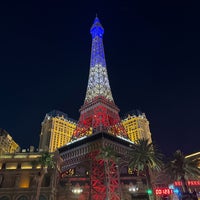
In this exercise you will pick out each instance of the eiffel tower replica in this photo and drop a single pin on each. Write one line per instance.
(98, 132)
(99, 112)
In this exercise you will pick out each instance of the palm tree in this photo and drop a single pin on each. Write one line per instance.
(182, 168)
(144, 158)
(108, 155)
(46, 161)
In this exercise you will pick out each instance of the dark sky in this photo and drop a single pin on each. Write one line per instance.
(153, 58)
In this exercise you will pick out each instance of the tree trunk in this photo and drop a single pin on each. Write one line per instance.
(149, 184)
(118, 179)
(107, 173)
(40, 179)
(184, 185)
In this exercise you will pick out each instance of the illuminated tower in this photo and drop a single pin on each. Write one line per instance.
(137, 126)
(57, 130)
(99, 112)
(94, 164)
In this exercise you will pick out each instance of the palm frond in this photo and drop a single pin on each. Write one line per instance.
(181, 167)
(107, 153)
(46, 160)
(145, 154)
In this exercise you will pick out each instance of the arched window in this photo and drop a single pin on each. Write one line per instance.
(22, 198)
(4, 198)
(42, 197)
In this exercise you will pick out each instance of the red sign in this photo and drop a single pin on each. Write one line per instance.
(177, 183)
(163, 191)
(189, 183)
(193, 182)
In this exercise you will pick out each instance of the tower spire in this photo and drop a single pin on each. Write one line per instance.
(98, 83)
(99, 112)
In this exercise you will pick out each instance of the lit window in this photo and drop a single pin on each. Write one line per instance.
(24, 180)
(11, 165)
(26, 165)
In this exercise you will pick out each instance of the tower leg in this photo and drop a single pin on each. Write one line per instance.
(104, 180)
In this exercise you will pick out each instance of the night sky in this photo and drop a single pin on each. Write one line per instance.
(152, 52)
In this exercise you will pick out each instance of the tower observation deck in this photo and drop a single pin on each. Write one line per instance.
(99, 112)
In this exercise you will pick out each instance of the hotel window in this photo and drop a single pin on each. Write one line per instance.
(26, 165)
(22, 198)
(11, 166)
(24, 180)
(4, 198)
(42, 197)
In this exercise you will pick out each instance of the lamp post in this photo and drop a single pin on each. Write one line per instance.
(132, 191)
(77, 190)
(133, 188)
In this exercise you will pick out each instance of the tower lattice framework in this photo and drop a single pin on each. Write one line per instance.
(102, 175)
(99, 128)
(99, 112)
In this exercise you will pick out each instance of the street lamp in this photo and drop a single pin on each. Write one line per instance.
(133, 188)
(77, 189)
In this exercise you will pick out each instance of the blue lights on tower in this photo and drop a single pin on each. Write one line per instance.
(98, 83)
(97, 29)
(97, 52)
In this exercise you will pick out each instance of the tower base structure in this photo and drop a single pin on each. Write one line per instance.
(100, 115)
(88, 176)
